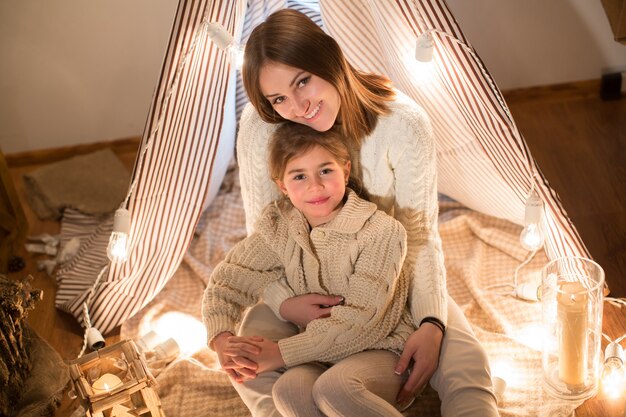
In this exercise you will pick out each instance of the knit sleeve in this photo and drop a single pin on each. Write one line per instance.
(413, 157)
(257, 188)
(376, 298)
(237, 283)
(275, 294)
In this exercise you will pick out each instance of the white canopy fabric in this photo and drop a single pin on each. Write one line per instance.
(483, 160)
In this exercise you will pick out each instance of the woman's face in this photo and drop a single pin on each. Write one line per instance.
(300, 96)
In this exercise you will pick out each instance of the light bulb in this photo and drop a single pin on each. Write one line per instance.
(236, 52)
(531, 237)
(613, 377)
(224, 40)
(424, 47)
(117, 251)
(219, 35)
(528, 292)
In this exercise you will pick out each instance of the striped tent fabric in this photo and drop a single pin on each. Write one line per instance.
(483, 161)
(174, 172)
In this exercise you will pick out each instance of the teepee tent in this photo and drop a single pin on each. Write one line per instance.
(483, 161)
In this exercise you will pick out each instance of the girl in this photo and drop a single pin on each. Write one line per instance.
(320, 238)
(294, 71)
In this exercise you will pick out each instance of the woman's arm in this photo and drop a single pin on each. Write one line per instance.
(416, 206)
(413, 159)
(373, 306)
(257, 188)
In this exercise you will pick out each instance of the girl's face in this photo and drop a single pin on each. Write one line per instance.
(315, 182)
(300, 96)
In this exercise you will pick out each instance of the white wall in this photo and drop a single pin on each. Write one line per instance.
(528, 43)
(78, 71)
(83, 71)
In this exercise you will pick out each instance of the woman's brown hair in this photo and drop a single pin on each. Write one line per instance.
(292, 139)
(291, 38)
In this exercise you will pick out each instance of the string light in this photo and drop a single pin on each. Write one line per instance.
(117, 250)
(424, 47)
(531, 236)
(225, 41)
(613, 371)
(119, 242)
(527, 291)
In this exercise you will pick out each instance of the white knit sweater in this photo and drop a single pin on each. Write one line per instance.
(398, 169)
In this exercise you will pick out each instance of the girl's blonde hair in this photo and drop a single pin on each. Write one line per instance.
(291, 140)
(291, 38)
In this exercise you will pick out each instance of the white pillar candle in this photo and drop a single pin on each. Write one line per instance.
(572, 316)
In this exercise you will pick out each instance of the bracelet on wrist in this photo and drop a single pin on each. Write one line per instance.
(436, 322)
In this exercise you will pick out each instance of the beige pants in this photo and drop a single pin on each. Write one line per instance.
(363, 384)
(462, 379)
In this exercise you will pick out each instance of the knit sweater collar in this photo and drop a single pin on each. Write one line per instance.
(350, 218)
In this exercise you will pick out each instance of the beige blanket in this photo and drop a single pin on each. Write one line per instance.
(482, 254)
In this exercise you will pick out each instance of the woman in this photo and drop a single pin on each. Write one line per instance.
(295, 72)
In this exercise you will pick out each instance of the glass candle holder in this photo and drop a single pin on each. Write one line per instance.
(572, 297)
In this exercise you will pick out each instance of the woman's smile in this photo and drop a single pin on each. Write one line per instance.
(314, 112)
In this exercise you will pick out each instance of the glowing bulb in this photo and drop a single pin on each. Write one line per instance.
(117, 251)
(224, 40)
(188, 332)
(236, 55)
(613, 377)
(424, 47)
(531, 237)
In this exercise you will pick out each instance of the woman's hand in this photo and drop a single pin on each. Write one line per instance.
(231, 353)
(422, 348)
(303, 309)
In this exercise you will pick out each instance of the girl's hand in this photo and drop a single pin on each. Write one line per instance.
(268, 357)
(230, 353)
(422, 348)
(303, 309)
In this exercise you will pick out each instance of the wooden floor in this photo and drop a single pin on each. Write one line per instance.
(578, 140)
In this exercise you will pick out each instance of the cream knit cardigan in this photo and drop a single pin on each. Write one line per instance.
(398, 168)
(358, 255)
